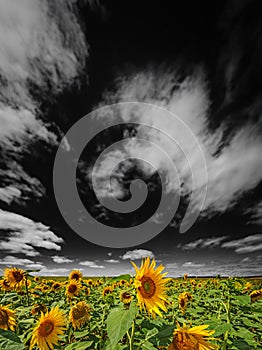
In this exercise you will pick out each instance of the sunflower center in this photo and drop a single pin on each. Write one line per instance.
(148, 287)
(18, 276)
(75, 276)
(182, 302)
(72, 288)
(79, 313)
(3, 317)
(46, 328)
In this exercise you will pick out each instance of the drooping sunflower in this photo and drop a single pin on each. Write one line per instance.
(7, 318)
(107, 290)
(4, 285)
(126, 298)
(195, 338)
(151, 286)
(56, 286)
(79, 314)
(73, 288)
(49, 329)
(75, 275)
(183, 300)
(37, 308)
(15, 277)
(256, 295)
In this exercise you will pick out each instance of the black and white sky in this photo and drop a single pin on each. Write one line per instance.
(60, 60)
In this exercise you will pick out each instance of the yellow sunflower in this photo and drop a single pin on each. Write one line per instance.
(73, 288)
(195, 338)
(79, 314)
(56, 286)
(7, 318)
(150, 285)
(256, 295)
(15, 277)
(183, 300)
(37, 308)
(4, 284)
(48, 330)
(126, 298)
(75, 275)
(107, 290)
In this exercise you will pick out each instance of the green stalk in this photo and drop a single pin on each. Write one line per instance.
(131, 337)
(27, 293)
(227, 307)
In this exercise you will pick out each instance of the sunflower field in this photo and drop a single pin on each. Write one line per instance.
(146, 311)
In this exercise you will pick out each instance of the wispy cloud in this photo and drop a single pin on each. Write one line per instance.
(91, 264)
(112, 261)
(248, 244)
(61, 259)
(233, 168)
(43, 49)
(211, 242)
(137, 254)
(23, 235)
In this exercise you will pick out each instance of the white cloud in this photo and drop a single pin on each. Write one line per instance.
(248, 244)
(112, 261)
(46, 271)
(9, 193)
(91, 264)
(193, 264)
(255, 214)
(137, 254)
(13, 260)
(61, 259)
(43, 48)
(23, 235)
(237, 168)
(211, 242)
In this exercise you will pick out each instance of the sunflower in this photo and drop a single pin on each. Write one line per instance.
(256, 295)
(183, 300)
(48, 330)
(73, 288)
(75, 275)
(107, 290)
(89, 282)
(7, 318)
(36, 279)
(150, 285)
(126, 297)
(37, 308)
(4, 284)
(56, 286)
(15, 277)
(195, 338)
(79, 314)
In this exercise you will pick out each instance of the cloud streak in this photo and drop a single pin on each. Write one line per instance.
(233, 169)
(23, 235)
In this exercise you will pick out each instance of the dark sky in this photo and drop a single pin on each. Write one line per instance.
(198, 60)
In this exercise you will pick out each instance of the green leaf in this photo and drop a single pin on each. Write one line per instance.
(10, 341)
(82, 334)
(243, 299)
(241, 344)
(118, 323)
(148, 346)
(125, 277)
(151, 333)
(222, 328)
(82, 345)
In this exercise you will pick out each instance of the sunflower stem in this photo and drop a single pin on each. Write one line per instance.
(131, 337)
(27, 293)
(227, 307)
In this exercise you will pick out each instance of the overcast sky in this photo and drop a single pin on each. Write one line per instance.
(201, 61)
